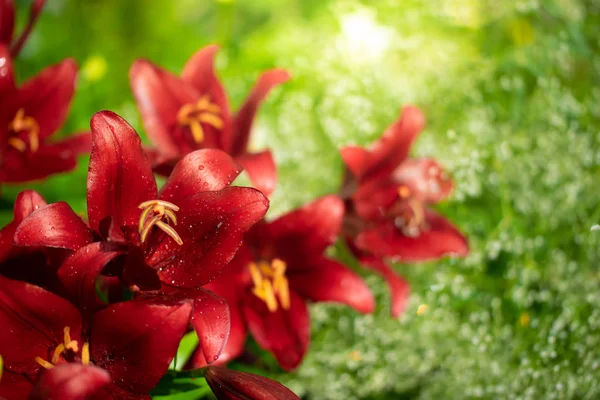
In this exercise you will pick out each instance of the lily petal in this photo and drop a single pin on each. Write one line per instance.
(261, 170)
(135, 341)
(48, 160)
(26, 202)
(47, 96)
(200, 171)
(285, 333)
(15, 386)
(441, 239)
(210, 319)
(234, 385)
(80, 273)
(79, 143)
(54, 225)
(393, 147)
(32, 321)
(399, 287)
(425, 178)
(307, 230)
(7, 21)
(245, 115)
(7, 74)
(160, 95)
(328, 280)
(120, 177)
(211, 226)
(70, 381)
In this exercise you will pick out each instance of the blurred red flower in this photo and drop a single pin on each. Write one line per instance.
(182, 114)
(29, 115)
(387, 197)
(7, 24)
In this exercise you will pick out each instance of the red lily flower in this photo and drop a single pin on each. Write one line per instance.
(234, 385)
(7, 24)
(169, 242)
(387, 197)
(133, 341)
(281, 266)
(38, 264)
(70, 382)
(32, 113)
(182, 114)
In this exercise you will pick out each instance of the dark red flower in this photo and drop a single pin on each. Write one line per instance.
(29, 115)
(70, 381)
(167, 243)
(280, 266)
(234, 385)
(7, 24)
(387, 197)
(133, 341)
(182, 114)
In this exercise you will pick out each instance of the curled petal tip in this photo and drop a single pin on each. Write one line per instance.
(414, 117)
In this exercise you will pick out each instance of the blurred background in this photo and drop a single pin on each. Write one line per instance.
(510, 90)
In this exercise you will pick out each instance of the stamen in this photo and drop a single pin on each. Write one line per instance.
(85, 353)
(23, 123)
(404, 192)
(193, 115)
(270, 283)
(44, 363)
(158, 213)
(1, 367)
(67, 335)
(57, 352)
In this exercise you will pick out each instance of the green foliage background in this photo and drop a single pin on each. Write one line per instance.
(511, 92)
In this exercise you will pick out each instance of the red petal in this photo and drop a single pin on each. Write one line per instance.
(211, 226)
(355, 159)
(200, 171)
(136, 340)
(76, 143)
(426, 179)
(327, 280)
(32, 322)
(7, 75)
(47, 96)
(48, 160)
(55, 225)
(234, 385)
(261, 169)
(120, 177)
(399, 288)
(307, 231)
(113, 392)
(26, 202)
(159, 95)
(7, 21)
(441, 239)
(199, 71)
(80, 272)
(210, 319)
(285, 333)
(70, 381)
(393, 147)
(15, 386)
(245, 116)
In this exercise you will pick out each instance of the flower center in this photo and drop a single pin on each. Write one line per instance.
(66, 350)
(21, 126)
(410, 213)
(159, 213)
(201, 112)
(269, 281)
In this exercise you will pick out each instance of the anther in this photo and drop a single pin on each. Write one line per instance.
(202, 112)
(270, 283)
(158, 213)
(23, 123)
